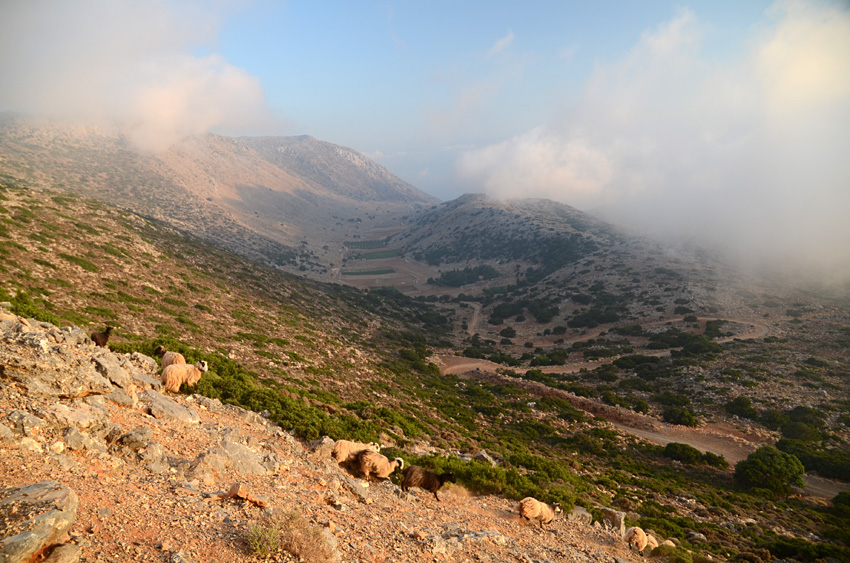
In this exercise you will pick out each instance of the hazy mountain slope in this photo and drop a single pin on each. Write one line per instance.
(478, 228)
(218, 188)
(339, 169)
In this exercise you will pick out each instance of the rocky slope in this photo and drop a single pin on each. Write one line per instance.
(265, 198)
(341, 170)
(98, 465)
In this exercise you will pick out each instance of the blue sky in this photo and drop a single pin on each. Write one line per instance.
(726, 120)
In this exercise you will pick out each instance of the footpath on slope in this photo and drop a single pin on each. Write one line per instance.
(141, 476)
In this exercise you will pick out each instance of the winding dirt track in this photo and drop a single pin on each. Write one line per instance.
(719, 438)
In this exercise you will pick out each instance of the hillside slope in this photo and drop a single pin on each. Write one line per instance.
(150, 476)
(341, 170)
(328, 360)
(241, 194)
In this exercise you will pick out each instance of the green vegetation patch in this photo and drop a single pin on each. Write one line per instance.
(81, 262)
(376, 272)
(457, 278)
(391, 253)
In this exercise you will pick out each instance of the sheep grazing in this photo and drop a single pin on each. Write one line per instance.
(344, 450)
(651, 542)
(175, 375)
(101, 338)
(169, 358)
(415, 476)
(532, 509)
(636, 539)
(367, 462)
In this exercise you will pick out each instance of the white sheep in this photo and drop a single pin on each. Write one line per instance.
(651, 542)
(532, 509)
(169, 358)
(636, 539)
(176, 374)
(344, 450)
(367, 462)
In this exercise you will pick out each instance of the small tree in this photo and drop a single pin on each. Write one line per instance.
(679, 415)
(768, 468)
(743, 407)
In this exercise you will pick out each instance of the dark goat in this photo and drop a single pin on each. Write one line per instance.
(415, 476)
(100, 338)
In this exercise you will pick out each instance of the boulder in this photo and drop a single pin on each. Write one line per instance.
(242, 458)
(80, 416)
(135, 439)
(615, 520)
(163, 408)
(24, 423)
(321, 449)
(485, 457)
(50, 509)
(580, 515)
(65, 553)
(107, 365)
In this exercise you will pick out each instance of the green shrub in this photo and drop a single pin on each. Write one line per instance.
(773, 419)
(771, 469)
(81, 262)
(679, 415)
(801, 431)
(743, 407)
(804, 550)
(25, 306)
(684, 453)
(673, 554)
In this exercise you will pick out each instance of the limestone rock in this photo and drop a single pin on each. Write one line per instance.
(244, 492)
(65, 553)
(616, 520)
(135, 439)
(212, 405)
(164, 408)
(242, 458)
(139, 361)
(51, 508)
(76, 440)
(24, 423)
(321, 449)
(48, 372)
(107, 365)
(580, 515)
(696, 537)
(485, 457)
(81, 416)
(6, 433)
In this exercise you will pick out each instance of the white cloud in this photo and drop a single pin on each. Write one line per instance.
(501, 44)
(750, 155)
(129, 63)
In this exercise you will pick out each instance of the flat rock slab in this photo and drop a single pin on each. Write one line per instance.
(54, 375)
(81, 416)
(34, 518)
(167, 409)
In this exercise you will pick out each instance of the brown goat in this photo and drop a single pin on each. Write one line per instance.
(100, 338)
(415, 476)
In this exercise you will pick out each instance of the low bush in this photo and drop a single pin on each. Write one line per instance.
(290, 531)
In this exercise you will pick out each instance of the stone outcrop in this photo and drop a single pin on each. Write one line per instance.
(36, 517)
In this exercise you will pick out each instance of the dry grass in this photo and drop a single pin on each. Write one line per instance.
(288, 531)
